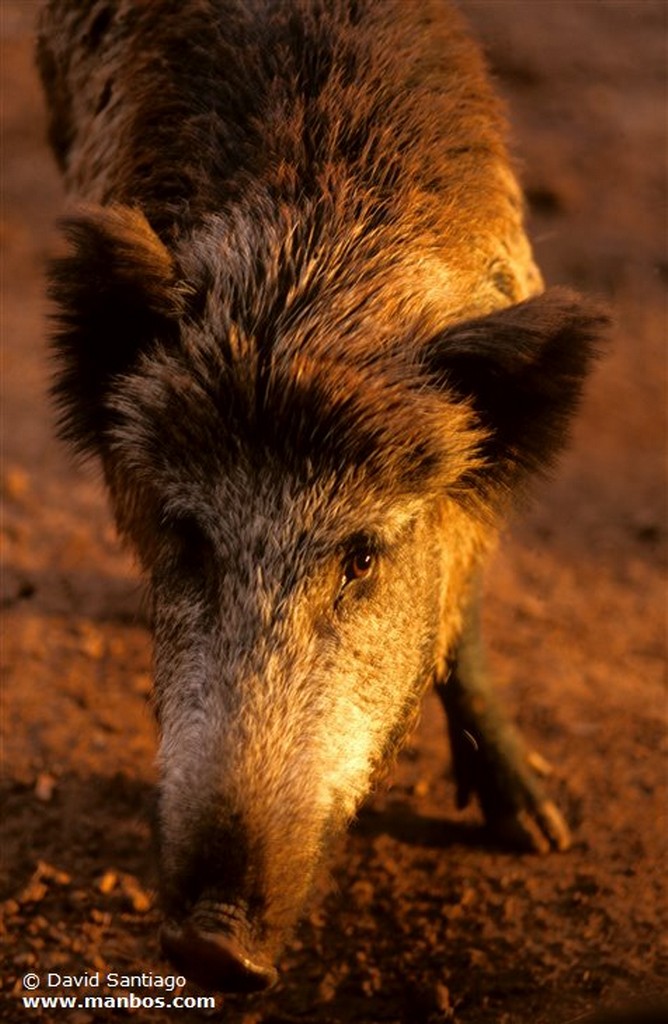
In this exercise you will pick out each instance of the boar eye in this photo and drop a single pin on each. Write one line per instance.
(358, 563)
(187, 530)
(193, 545)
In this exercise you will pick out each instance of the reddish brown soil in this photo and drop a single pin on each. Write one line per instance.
(425, 922)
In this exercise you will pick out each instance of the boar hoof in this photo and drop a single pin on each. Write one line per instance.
(491, 762)
(539, 829)
(215, 960)
(515, 807)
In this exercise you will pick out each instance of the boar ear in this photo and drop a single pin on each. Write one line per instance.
(522, 370)
(116, 293)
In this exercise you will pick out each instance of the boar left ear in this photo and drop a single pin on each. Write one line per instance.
(521, 369)
(116, 293)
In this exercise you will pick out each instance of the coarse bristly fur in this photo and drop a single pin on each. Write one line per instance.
(300, 324)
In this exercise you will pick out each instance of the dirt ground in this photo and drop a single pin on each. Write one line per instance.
(422, 920)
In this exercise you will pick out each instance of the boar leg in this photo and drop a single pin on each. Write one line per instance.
(489, 757)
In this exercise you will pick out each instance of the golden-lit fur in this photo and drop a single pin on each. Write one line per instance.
(300, 324)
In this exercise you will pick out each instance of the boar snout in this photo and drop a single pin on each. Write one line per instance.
(214, 900)
(228, 893)
(212, 949)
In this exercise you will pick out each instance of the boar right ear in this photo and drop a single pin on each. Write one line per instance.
(116, 292)
(521, 369)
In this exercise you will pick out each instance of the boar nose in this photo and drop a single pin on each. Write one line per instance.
(215, 960)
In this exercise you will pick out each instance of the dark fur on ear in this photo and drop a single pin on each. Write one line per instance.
(522, 370)
(116, 293)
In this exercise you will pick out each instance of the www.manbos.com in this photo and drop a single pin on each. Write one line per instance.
(127, 1001)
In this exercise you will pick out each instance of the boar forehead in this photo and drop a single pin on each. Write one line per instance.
(189, 418)
(301, 340)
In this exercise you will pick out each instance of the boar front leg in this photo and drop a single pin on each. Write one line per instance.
(489, 757)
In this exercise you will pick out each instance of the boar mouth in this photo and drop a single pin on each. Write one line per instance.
(214, 948)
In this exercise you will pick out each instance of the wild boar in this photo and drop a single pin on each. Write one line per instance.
(301, 328)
